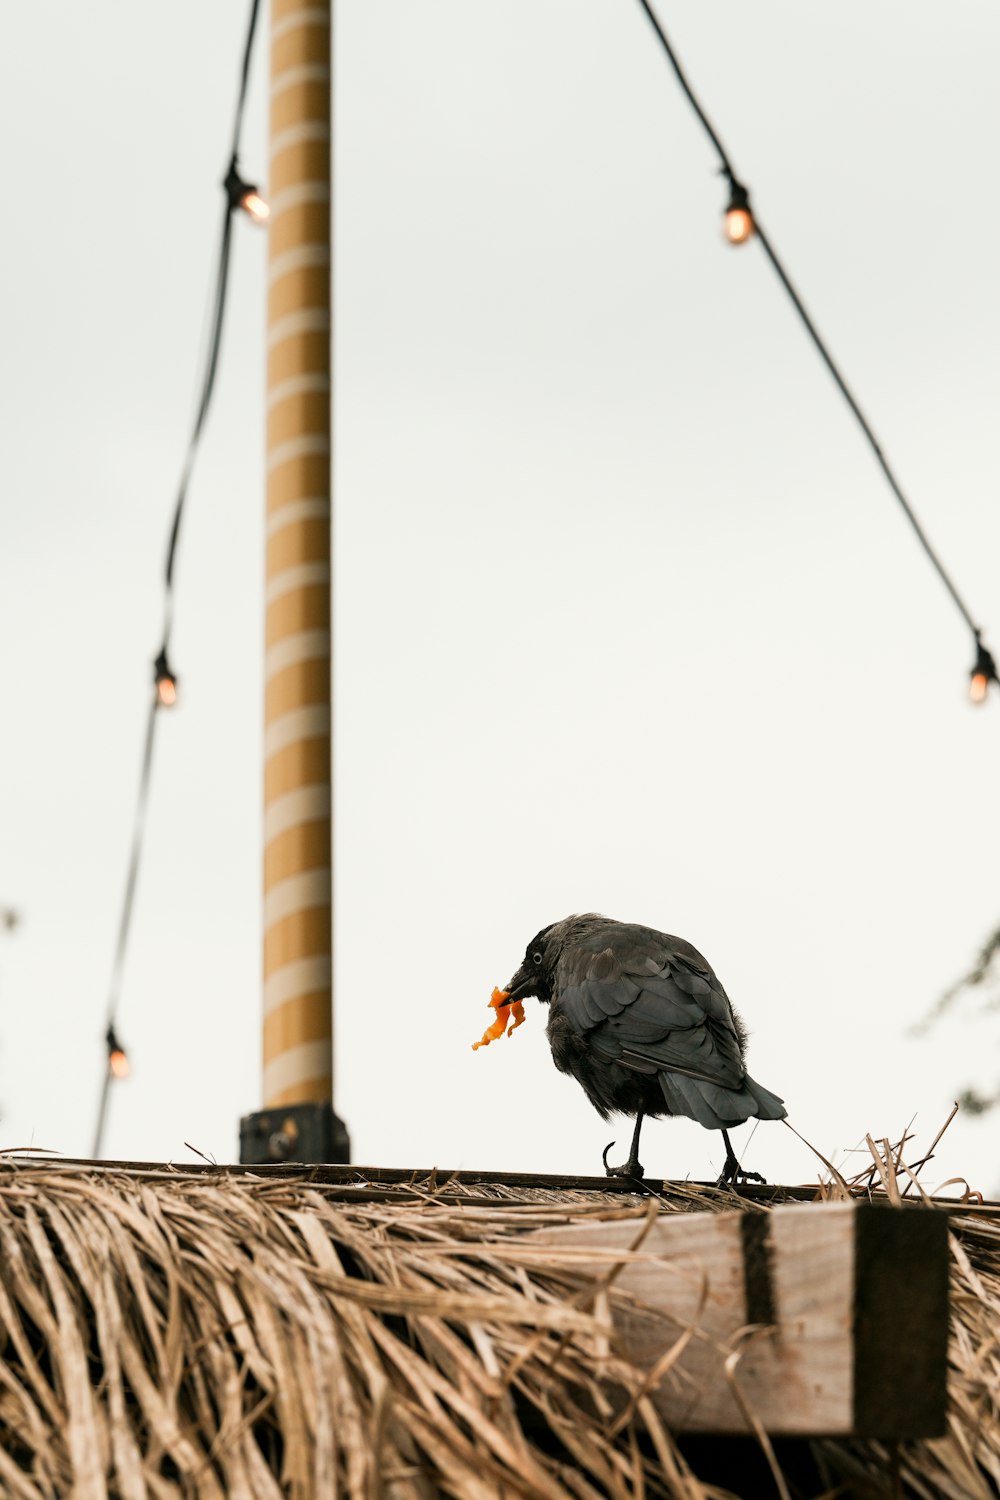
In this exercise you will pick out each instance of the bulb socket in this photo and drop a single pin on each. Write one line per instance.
(245, 196)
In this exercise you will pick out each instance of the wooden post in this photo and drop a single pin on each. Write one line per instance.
(817, 1319)
(298, 865)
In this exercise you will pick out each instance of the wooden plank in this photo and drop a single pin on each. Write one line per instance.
(427, 1179)
(838, 1312)
(423, 1180)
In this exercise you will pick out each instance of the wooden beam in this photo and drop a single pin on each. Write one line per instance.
(424, 1180)
(837, 1315)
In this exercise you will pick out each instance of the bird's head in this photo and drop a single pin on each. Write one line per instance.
(537, 971)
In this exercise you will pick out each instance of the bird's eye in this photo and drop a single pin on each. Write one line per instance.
(536, 958)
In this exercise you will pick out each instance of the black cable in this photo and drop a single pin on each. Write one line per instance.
(218, 313)
(125, 921)
(135, 854)
(675, 64)
(208, 386)
(865, 426)
(162, 670)
(244, 78)
(738, 189)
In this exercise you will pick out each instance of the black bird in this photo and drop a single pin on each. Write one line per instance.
(640, 1020)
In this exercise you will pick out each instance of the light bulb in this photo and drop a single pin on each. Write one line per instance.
(984, 671)
(165, 680)
(117, 1058)
(737, 224)
(256, 207)
(245, 196)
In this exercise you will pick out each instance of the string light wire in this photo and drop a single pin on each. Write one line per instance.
(739, 193)
(164, 681)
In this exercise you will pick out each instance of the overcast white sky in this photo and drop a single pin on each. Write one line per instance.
(627, 619)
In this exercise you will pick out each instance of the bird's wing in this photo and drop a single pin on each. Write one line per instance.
(650, 1002)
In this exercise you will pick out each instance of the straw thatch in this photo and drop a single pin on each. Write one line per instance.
(220, 1333)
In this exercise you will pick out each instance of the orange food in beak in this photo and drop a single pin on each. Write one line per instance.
(503, 1010)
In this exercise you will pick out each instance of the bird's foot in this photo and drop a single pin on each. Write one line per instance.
(631, 1168)
(733, 1174)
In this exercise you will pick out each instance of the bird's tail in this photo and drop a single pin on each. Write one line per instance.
(715, 1106)
(769, 1106)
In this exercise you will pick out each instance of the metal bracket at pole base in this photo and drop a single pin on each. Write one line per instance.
(294, 1132)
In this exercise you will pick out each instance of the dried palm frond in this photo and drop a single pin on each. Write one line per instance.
(217, 1333)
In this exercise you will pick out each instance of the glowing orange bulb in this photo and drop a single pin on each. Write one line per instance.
(255, 206)
(738, 225)
(118, 1063)
(245, 195)
(166, 682)
(984, 671)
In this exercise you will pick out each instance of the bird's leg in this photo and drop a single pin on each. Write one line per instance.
(732, 1171)
(632, 1167)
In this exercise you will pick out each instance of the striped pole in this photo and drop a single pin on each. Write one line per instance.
(298, 926)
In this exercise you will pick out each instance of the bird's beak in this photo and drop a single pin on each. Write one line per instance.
(519, 986)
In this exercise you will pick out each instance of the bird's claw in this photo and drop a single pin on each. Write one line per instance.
(733, 1174)
(630, 1168)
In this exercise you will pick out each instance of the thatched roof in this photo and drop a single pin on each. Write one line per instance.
(240, 1333)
